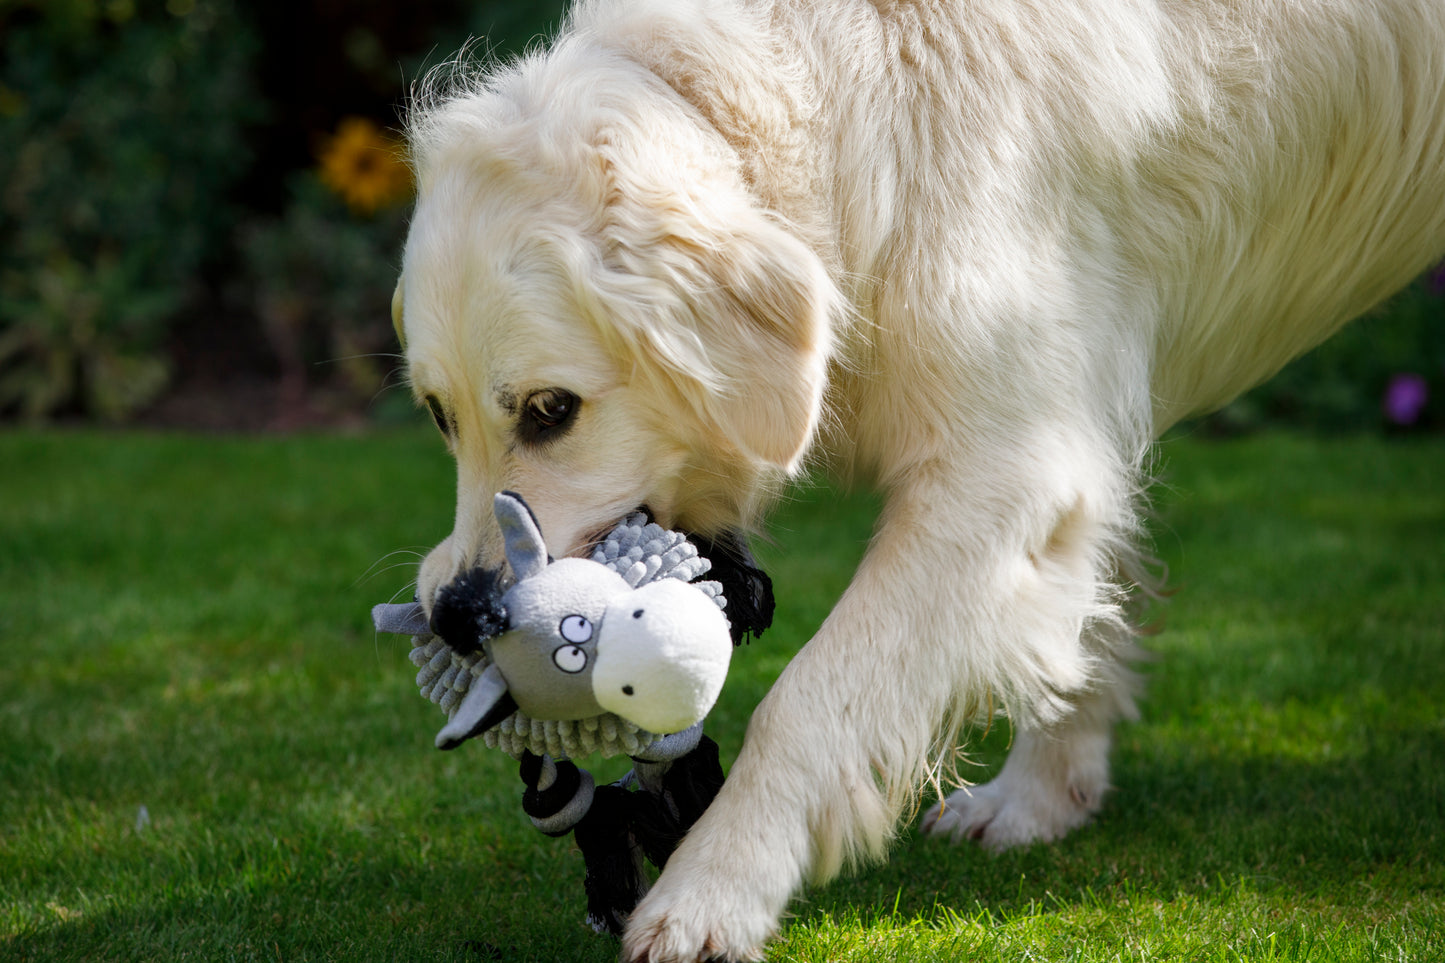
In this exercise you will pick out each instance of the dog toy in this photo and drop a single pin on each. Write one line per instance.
(623, 652)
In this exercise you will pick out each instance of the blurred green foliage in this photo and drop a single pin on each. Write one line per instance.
(123, 122)
(161, 183)
(321, 277)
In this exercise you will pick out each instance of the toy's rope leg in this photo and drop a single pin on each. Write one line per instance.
(671, 797)
(623, 825)
(615, 881)
(615, 827)
(558, 794)
(561, 798)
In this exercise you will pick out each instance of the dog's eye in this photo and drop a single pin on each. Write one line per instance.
(546, 412)
(551, 407)
(439, 415)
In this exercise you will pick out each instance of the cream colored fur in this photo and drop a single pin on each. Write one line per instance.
(979, 254)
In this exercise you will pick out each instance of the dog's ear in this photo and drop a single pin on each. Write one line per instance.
(763, 319)
(746, 349)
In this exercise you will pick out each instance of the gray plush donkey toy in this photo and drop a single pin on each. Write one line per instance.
(623, 652)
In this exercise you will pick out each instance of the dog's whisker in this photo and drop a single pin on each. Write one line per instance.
(342, 359)
(401, 383)
(390, 568)
(406, 591)
(376, 568)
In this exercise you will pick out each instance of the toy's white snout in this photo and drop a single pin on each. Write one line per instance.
(662, 656)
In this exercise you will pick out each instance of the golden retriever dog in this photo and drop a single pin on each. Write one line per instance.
(978, 254)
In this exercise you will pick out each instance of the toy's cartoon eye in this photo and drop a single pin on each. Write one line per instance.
(575, 629)
(570, 659)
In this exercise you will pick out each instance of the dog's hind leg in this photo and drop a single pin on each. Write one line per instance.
(1054, 779)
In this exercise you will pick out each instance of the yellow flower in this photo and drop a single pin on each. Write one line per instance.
(362, 163)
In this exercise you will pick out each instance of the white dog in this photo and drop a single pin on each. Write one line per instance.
(979, 254)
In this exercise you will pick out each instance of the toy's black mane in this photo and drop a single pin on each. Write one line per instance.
(747, 588)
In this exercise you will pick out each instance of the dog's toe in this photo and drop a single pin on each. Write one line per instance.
(1006, 813)
(692, 916)
(965, 815)
(670, 931)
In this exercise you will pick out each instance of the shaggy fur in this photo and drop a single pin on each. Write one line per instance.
(978, 254)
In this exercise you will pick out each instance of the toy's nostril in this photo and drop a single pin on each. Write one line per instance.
(637, 614)
(627, 690)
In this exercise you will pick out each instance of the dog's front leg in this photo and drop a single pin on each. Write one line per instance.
(952, 601)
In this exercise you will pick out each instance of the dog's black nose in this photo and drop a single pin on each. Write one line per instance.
(469, 609)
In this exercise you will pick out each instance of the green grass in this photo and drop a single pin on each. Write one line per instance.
(183, 627)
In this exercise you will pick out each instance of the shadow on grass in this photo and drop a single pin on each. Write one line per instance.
(1360, 834)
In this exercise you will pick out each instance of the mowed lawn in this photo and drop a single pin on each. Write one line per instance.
(207, 754)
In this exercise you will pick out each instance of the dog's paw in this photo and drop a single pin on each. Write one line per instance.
(694, 924)
(718, 899)
(1009, 812)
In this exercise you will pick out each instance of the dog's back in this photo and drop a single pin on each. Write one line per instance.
(1244, 177)
(1303, 182)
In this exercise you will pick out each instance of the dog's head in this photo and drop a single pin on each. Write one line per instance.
(598, 313)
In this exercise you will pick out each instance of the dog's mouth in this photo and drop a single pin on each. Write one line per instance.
(592, 542)
(598, 537)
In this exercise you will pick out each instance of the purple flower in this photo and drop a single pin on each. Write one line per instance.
(1405, 398)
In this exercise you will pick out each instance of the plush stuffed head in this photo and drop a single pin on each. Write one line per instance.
(572, 638)
(662, 655)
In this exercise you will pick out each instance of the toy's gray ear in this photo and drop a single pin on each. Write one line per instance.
(526, 551)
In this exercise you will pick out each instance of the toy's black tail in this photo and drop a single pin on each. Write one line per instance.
(469, 609)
